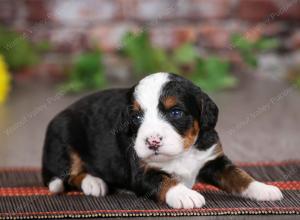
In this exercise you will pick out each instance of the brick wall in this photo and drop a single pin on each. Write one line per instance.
(72, 25)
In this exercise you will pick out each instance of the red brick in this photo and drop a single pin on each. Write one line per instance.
(274, 29)
(108, 38)
(36, 10)
(163, 36)
(82, 13)
(172, 36)
(212, 9)
(254, 32)
(67, 40)
(256, 10)
(290, 11)
(213, 36)
(155, 10)
(7, 11)
(294, 41)
(185, 34)
(127, 8)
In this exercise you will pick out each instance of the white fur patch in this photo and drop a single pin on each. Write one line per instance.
(180, 196)
(93, 186)
(147, 94)
(148, 91)
(187, 165)
(262, 192)
(56, 186)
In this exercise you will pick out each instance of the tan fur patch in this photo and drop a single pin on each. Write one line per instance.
(169, 102)
(136, 106)
(166, 184)
(76, 164)
(190, 135)
(77, 171)
(76, 180)
(234, 180)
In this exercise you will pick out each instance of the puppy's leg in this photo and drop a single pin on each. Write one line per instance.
(79, 178)
(222, 173)
(90, 185)
(164, 188)
(56, 160)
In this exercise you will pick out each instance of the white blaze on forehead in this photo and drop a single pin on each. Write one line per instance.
(147, 94)
(148, 91)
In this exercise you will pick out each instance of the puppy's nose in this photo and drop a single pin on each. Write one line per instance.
(154, 142)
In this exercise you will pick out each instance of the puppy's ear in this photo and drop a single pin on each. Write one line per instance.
(208, 111)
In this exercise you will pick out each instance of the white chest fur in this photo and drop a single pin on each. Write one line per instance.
(187, 166)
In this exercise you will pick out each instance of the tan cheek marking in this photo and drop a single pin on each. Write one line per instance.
(166, 184)
(190, 135)
(234, 180)
(169, 102)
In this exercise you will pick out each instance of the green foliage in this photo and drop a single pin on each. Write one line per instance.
(86, 73)
(17, 50)
(210, 73)
(144, 57)
(185, 54)
(213, 73)
(248, 49)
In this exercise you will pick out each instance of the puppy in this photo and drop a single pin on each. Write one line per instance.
(156, 139)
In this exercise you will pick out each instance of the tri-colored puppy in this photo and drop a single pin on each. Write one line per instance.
(156, 139)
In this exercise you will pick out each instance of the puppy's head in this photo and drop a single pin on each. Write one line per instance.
(168, 114)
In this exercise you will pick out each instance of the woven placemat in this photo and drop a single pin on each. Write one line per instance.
(22, 195)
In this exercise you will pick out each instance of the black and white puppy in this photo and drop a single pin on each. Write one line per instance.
(156, 139)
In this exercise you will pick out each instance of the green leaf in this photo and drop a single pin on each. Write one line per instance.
(145, 58)
(213, 74)
(87, 73)
(266, 44)
(17, 50)
(185, 54)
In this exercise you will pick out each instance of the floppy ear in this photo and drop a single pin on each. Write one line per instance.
(208, 111)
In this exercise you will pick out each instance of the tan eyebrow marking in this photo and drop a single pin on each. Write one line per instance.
(169, 102)
(136, 106)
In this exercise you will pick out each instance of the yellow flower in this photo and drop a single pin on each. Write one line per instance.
(4, 80)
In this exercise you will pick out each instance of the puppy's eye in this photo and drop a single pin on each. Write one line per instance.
(176, 113)
(137, 118)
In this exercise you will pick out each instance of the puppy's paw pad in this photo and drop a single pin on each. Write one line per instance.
(56, 186)
(262, 192)
(93, 186)
(180, 197)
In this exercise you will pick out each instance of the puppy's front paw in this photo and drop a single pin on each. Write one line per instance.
(93, 186)
(262, 192)
(180, 196)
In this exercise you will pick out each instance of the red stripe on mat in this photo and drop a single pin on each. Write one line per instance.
(201, 210)
(42, 191)
(241, 164)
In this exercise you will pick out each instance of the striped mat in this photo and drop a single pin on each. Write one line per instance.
(22, 195)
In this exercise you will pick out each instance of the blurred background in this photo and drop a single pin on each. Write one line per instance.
(244, 53)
